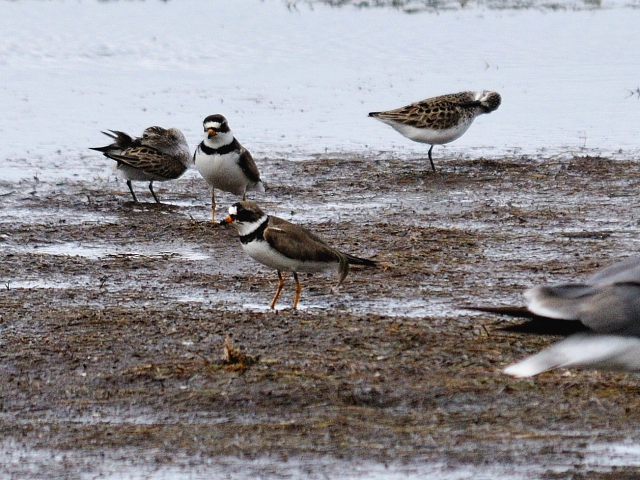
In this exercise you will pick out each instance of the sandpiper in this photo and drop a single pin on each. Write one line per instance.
(439, 120)
(159, 155)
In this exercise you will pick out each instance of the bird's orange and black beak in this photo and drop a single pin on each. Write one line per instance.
(211, 132)
(227, 220)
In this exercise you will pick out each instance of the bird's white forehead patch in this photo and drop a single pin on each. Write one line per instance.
(483, 95)
(215, 125)
(233, 210)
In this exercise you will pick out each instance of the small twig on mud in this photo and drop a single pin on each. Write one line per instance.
(234, 357)
(485, 330)
(7, 284)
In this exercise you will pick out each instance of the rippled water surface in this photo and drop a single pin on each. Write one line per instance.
(300, 81)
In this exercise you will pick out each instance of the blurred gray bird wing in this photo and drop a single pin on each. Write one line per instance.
(627, 270)
(610, 308)
(122, 142)
(603, 352)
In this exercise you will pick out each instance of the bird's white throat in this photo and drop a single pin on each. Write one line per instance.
(220, 140)
(249, 228)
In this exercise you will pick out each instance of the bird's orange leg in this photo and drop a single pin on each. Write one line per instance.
(298, 291)
(213, 206)
(280, 285)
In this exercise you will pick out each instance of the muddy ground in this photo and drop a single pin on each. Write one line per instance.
(113, 318)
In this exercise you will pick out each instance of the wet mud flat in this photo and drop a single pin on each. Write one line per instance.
(114, 315)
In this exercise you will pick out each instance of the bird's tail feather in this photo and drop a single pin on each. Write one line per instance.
(360, 261)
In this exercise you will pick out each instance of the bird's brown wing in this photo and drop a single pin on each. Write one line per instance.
(150, 161)
(424, 115)
(248, 166)
(297, 242)
(436, 112)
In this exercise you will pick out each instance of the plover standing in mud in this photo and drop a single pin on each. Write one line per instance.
(159, 155)
(224, 163)
(439, 120)
(607, 304)
(282, 245)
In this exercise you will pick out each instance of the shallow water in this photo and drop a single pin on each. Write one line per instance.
(118, 464)
(299, 82)
(95, 252)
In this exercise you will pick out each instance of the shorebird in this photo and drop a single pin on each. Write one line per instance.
(224, 163)
(606, 305)
(287, 247)
(159, 155)
(439, 120)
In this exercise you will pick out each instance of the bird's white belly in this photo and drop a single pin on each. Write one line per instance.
(432, 136)
(129, 173)
(262, 252)
(222, 172)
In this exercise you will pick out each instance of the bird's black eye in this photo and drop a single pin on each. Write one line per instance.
(145, 135)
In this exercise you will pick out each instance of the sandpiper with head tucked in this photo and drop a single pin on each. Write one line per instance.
(159, 155)
(282, 245)
(439, 120)
(224, 163)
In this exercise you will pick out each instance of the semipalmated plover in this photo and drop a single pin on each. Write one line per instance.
(607, 304)
(159, 155)
(282, 245)
(224, 163)
(439, 120)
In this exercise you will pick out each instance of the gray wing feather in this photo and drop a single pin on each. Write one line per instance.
(603, 352)
(604, 309)
(627, 270)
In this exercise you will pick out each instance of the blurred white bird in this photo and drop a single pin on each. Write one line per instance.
(607, 304)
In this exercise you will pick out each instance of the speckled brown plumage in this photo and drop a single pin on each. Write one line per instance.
(151, 161)
(441, 112)
(158, 155)
(439, 120)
